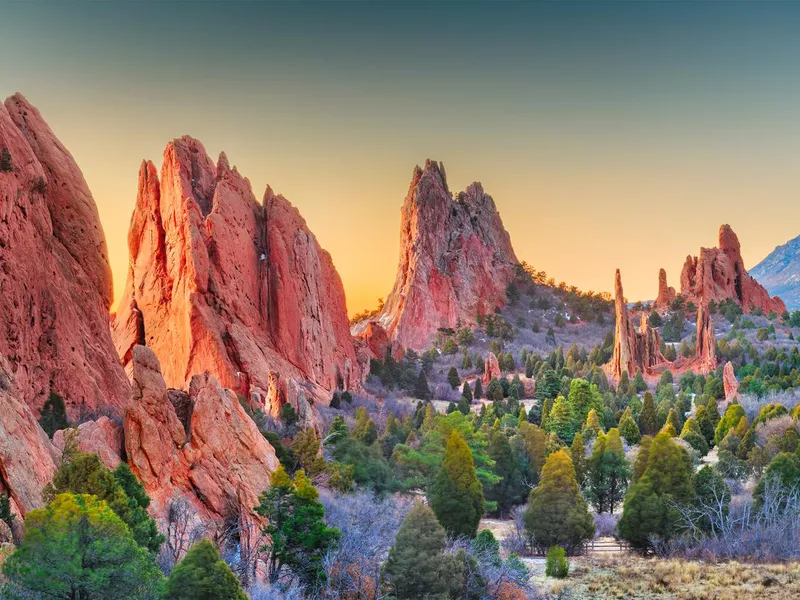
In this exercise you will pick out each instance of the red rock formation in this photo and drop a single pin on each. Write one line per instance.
(55, 281)
(217, 458)
(491, 369)
(220, 283)
(718, 274)
(633, 350)
(666, 294)
(103, 437)
(729, 382)
(456, 260)
(705, 352)
(27, 459)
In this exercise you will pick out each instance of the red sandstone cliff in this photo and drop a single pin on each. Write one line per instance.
(221, 283)
(718, 274)
(456, 260)
(55, 281)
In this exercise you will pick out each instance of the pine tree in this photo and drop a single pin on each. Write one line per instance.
(560, 421)
(557, 514)
(713, 412)
(456, 495)
(535, 441)
(578, 455)
(628, 428)
(466, 392)
(546, 406)
(583, 398)
(453, 379)
(704, 424)
(54, 415)
(203, 574)
(642, 456)
(421, 389)
(692, 435)
(477, 393)
(417, 566)
(609, 472)
(648, 420)
(733, 414)
(509, 490)
(296, 530)
(364, 430)
(592, 426)
(649, 505)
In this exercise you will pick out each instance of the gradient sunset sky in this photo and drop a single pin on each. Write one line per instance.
(610, 135)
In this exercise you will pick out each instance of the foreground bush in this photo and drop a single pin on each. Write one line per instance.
(203, 574)
(556, 563)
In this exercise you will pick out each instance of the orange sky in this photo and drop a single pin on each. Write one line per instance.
(619, 136)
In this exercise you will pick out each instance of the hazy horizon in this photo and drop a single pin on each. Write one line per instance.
(610, 136)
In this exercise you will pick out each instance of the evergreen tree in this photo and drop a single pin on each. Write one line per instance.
(608, 472)
(560, 420)
(509, 490)
(54, 415)
(203, 574)
(710, 491)
(733, 414)
(583, 397)
(421, 389)
(546, 406)
(296, 530)
(463, 406)
(704, 424)
(692, 435)
(713, 412)
(466, 393)
(83, 473)
(642, 456)
(77, 547)
(306, 447)
(649, 509)
(592, 426)
(648, 420)
(417, 567)
(453, 379)
(674, 420)
(534, 440)
(364, 430)
(557, 514)
(456, 496)
(578, 454)
(628, 428)
(478, 391)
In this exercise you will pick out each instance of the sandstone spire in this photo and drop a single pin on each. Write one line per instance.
(632, 350)
(729, 382)
(706, 349)
(718, 274)
(456, 260)
(221, 283)
(666, 294)
(55, 280)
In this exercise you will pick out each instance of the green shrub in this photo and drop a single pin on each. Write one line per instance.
(556, 563)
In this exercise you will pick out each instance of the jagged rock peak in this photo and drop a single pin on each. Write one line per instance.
(221, 283)
(718, 274)
(666, 294)
(456, 260)
(55, 281)
(705, 351)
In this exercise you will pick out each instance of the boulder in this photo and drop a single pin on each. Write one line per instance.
(218, 460)
(55, 280)
(456, 260)
(491, 369)
(729, 382)
(103, 437)
(221, 283)
(718, 274)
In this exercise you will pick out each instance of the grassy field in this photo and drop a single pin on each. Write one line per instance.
(630, 576)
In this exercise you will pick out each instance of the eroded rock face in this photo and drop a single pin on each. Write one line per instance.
(221, 283)
(705, 352)
(666, 293)
(27, 458)
(220, 462)
(456, 260)
(633, 350)
(729, 382)
(55, 280)
(491, 369)
(718, 274)
(103, 437)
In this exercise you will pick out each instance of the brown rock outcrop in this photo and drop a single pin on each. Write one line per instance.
(666, 294)
(705, 351)
(491, 369)
(103, 437)
(218, 460)
(456, 260)
(27, 458)
(55, 280)
(729, 382)
(633, 350)
(221, 283)
(718, 274)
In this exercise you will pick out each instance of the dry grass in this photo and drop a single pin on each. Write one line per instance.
(627, 576)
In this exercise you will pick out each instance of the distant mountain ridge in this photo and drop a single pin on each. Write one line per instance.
(779, 272)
